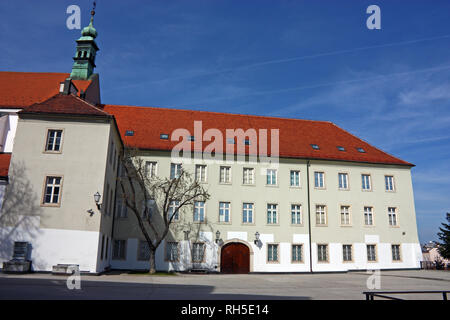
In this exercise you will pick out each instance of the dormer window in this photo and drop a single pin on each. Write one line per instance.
(247, 142)
(230, 141)
(164, 136)
(191, 138)
(315, 147)
(341, 148)
(129, 133)
(361, 150)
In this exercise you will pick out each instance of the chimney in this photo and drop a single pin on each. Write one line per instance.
(67, 87)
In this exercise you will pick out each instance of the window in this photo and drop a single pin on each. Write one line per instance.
(361, 150)
(191, 138)
(129, 133)
(121, 209)
(231, 141)
(164, 136)
(392, 214)
(173, 210)
(315, 147)
(114, 160)
(396, 252)
(247, 213)
(150, 168)
(347, 252)
(295, 178)
(200, 173)
(199, 211)
(343, 181)
(297, 253)
(102, 248)
(198, 252)
(53, 140)
(107, 248)
(272, 252)
(147, 208)
(321, 215)
(368, 216)
(371, 253)
(389, 182)
(296, 214)
(172, 251)
(119, 249)
(111, 202)
(319, 180)
(340, 148)
(272, 216)
(271, 177)
(345, 215)
(224, 212)
(225, 174)
(143, 251)
(175, 170)
(105, 199)
(322, 253)
(52, 190)
(111, 152)
(249, 176)
(366, 182)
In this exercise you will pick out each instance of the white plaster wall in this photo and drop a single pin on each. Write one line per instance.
(184, 264)
(50, 247)
(237, 235)
(12, 119)
(409, 257)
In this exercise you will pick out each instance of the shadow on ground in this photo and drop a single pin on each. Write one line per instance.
(48, 289)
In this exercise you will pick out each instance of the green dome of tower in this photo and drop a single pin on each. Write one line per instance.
(90, 31)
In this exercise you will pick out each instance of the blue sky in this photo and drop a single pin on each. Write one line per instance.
(304, 59)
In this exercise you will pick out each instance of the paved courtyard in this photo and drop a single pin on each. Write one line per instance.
(223, 287)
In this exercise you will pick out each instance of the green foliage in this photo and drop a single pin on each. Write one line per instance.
(444, 236)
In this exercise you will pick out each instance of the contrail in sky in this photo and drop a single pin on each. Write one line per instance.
(378, 77)
(299, 58)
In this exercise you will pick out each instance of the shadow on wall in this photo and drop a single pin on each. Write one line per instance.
(195, 233)
(19, 215)
(183, 229)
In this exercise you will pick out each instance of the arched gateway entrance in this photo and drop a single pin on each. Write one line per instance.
(235, 258)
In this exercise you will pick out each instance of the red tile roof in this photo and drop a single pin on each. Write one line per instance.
(5, 159)
(295, 135)
(65, 104)
(21, 89)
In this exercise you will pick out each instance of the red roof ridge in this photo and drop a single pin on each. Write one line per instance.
(365, 141)
(34, 108)
(216, 112)
(27, 72)
(88, 103)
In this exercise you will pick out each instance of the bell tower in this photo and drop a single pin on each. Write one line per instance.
(84, 60)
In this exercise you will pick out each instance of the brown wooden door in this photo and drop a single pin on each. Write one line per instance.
(235, 258)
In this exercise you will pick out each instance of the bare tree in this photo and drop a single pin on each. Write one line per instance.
(150, 197)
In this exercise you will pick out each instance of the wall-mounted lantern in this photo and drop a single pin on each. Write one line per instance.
(97, 197)
(256, 238)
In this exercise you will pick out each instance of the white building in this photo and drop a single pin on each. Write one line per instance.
(329, 202)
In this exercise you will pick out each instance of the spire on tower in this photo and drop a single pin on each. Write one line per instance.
(84, 60)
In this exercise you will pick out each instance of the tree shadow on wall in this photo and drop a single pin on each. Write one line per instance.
(19, 215)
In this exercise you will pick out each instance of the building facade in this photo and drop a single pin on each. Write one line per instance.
(327, 202)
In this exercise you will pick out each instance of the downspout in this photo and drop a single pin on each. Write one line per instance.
(309, 216)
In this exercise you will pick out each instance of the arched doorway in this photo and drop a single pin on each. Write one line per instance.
(235, 258)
